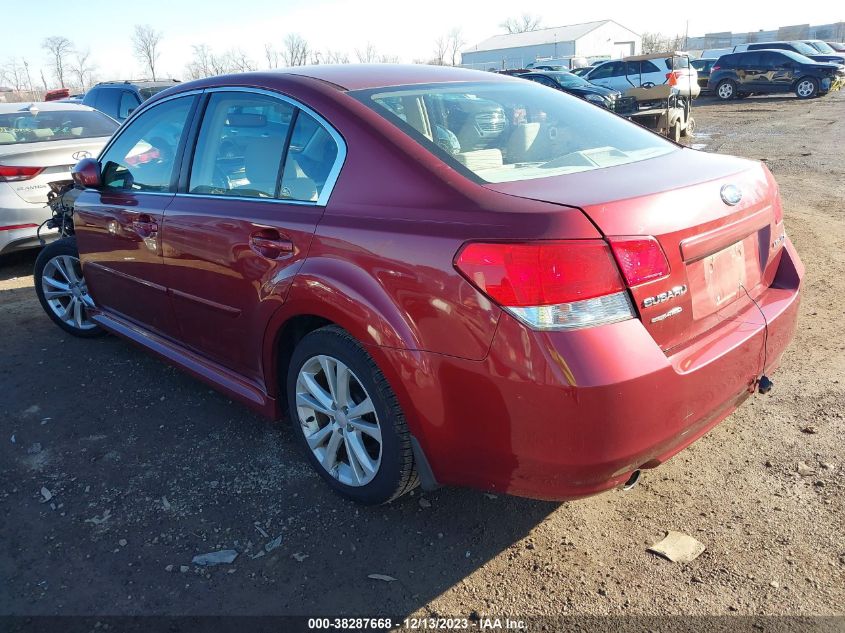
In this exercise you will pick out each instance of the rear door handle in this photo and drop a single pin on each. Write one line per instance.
(271, 244)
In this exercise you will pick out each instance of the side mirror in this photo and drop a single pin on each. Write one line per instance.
(86, 173)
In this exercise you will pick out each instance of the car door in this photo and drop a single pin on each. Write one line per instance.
(604, 74)
(750, 73)
(118, 225)
(781, 70)
(241, 225)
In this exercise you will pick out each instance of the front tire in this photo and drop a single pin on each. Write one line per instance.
(806, 88)
(726, 90)
(62, 290)
(348, 419)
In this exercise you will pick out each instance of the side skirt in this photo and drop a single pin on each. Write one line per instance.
(219, 377)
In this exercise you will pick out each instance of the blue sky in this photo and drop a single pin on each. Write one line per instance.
(392, 26)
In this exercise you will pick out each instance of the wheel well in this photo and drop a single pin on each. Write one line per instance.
(293, 331)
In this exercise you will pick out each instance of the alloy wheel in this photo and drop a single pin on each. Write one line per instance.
(338, 420)
(66, 292)
(726, 91)
(805, 88)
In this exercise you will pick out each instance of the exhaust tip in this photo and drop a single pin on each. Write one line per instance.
(632, 480)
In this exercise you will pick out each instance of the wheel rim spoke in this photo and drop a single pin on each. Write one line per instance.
(77, 312)
(358, 454)
(361, 409)
(330, 455)
(368, 428)
(354, 463)
(317, 391)
(55, 283)
(330, 372)
(307, 400)
(341, 393)
(318, 438)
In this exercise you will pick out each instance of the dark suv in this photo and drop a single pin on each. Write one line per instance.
(119, 99)
(802, 48)
(766, 71)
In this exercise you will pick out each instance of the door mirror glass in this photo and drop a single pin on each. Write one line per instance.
(86, 173)
(143, 157)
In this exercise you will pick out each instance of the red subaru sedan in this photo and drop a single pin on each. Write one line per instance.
(441, 276)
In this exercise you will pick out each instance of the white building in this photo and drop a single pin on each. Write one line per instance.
(603, 39)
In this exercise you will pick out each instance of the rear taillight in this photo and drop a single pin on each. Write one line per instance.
(717, 67)
(640, 258)
(11, 173)
(549, 285)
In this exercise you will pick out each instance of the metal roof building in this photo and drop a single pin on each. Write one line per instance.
(604, 38)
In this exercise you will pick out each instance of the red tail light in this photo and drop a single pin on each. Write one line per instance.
(549, 285)
(640, 258)
(11, 173)
(716, 67)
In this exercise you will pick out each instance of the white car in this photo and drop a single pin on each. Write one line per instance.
(39, 143)
(645, 70)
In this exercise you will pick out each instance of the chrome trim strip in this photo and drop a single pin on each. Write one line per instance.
(211, 196)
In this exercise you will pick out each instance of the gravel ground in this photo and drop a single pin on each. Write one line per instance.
(146, 468)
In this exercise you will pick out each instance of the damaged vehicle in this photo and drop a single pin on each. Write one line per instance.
(39, 143)
(544, 306)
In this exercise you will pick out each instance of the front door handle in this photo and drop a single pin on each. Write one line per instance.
(271, 244)
(144, 225)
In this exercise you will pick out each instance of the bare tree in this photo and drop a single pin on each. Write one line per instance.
(58, 47)
(335, 57)
(13, 74)
(388, 59)
(456, 43)
(201, 65)
(367, 55)
(441, 46)
(296, 49)
(659, 43)
(239, 61)
(526, 22)
(145, 41)
(272, 55)
(82, 67)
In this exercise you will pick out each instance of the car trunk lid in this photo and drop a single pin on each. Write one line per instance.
(55, 158)
(720, 255)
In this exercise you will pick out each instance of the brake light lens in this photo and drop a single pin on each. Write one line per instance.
(12, 173)
(640, 259)
(549, 285)
(716, 67)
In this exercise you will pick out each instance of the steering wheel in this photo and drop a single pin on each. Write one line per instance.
(648, 84)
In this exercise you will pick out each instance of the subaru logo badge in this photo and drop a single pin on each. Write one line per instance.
(81, 155)
(731, 194)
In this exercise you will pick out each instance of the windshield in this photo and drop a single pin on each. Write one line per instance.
(804, 49)
(568, 80)
(822, 47)
(34, 126)
(501, 132)
(798, 57)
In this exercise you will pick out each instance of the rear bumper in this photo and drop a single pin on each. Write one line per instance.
(19, 222)
(568, 414)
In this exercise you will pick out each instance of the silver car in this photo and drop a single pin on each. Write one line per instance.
(39, 143)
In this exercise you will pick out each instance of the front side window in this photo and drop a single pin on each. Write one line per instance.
(143, 157)
(507, 131)
(241, 145)
(31, 125)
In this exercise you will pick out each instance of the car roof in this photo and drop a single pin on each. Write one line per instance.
(43, 106)
(367, 76)
(144, 83)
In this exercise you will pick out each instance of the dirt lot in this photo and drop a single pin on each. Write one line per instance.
(147, 468)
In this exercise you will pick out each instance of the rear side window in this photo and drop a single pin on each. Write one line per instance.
(647, 67)
(143, 156)
(128, 103)
(241, 145)
(108, 101)
(309, 162)
(32, 125)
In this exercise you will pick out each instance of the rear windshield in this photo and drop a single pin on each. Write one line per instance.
(501, 132)
(149, 91)
(34, 126)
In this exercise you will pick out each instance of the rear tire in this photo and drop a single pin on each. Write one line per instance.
(675, 131)
(726, 90)
(366, 457)
(62, 290)
(689, 129)
(806, 88)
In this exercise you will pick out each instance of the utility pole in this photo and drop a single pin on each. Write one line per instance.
(686, 36)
